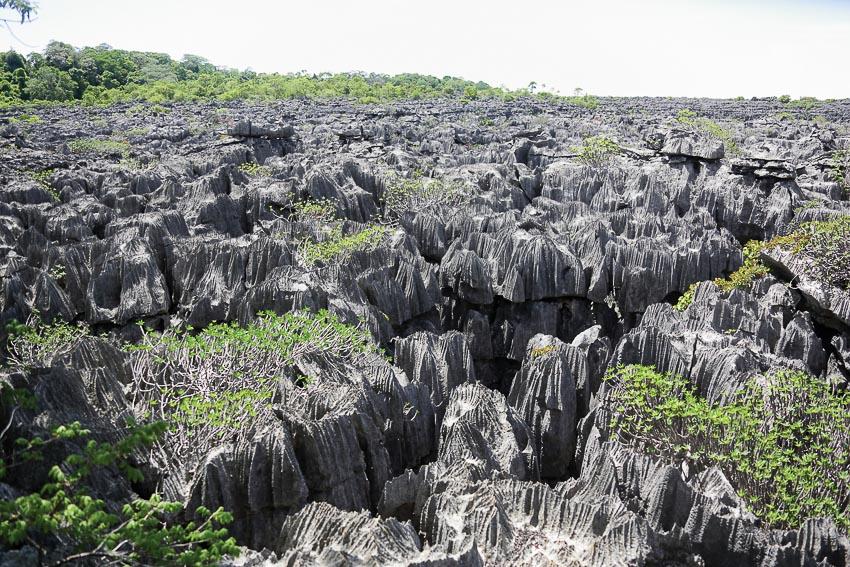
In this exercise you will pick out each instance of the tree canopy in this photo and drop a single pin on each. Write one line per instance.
(103, 75)
(23, 7)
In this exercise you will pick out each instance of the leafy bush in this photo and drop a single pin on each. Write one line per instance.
(686, 299)
(752, 269)
(43, 179)
(783, 441)
(333, 247)
(785, 99)
(597, 151)
(315, 211)
(825, 245)
(839, 165)
(255, 169)
(692, 122)
(67, 525)
(37, 345)
(420, 194)
(26, 119)
(94, 145)
(217, 382)
(805, 104)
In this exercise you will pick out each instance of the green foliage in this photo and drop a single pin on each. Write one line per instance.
(805, 104)
(825, 245)
(785, 99)
(43, 179)
(315, 211)
(686, 299)
(839, 166)
(752, 269)
(37, 345)
(23, 7)
(66, 525)
(26, 119)
(783, 441)
(223, 379)
(784, 115)
(419, 193)
(50, 84)
(597, 151)
(303, 381)
(693, 122)
(102, 75)
(158, 109)
(223, 413)
(810, 204)
(137, 164)
(334, 247)
(94, 145)
(254, 169)
(585, 101)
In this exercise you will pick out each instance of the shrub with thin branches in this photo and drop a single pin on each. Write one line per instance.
(37, 345)
(210, 385)
(783, 441)
(419, 193)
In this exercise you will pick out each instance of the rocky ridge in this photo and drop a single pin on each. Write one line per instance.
(480, 442)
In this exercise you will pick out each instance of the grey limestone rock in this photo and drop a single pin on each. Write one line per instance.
(442, 363)
(482, 432)
(677, 143)
(126, 284)
(246, 128)
(544, 394)
(257, 478)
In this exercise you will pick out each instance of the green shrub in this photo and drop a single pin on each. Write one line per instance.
(43, 179)
(37, 345)
(419, 194)
(783, 441)
(805, 104)
(315, 211)
(785, 99)
(93, 145)
(752, 269)
(67, 525)
(686, 299)
(223, 379)
(254, 169)
(824, 245)
(839, 165)
(26, 119)
(597, 151)
(137, 164)
(332, 247)
(693, 122)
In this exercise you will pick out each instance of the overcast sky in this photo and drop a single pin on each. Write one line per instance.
(709, 48)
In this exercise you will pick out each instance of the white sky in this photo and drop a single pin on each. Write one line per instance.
(709, 48)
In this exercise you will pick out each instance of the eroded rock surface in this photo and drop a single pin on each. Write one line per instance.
(500, 302)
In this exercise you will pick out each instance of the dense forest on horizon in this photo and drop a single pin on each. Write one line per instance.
(103, 75)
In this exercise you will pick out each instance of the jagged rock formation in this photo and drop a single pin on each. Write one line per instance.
(501, 304)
